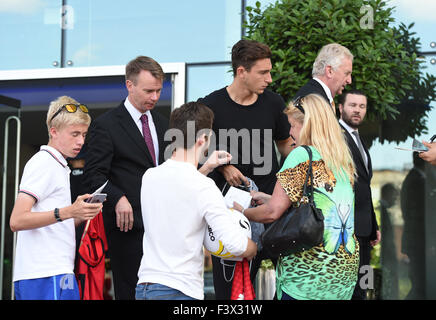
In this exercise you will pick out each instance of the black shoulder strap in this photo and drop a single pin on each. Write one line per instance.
(308, 190)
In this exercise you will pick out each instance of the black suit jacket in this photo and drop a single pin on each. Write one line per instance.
(117, 152)
(312, 86)
(365, 223)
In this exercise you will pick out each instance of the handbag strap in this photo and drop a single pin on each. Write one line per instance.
(308, 189)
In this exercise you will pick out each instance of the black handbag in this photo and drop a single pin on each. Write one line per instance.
(299, 228)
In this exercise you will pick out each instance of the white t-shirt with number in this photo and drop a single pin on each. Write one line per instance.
(49, 250)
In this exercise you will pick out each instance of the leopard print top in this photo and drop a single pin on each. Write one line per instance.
(329, 270)
(292, 179)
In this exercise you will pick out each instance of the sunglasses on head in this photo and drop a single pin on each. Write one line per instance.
(297, 104)
(71, 108)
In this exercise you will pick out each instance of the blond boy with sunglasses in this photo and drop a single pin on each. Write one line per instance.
(43, 213)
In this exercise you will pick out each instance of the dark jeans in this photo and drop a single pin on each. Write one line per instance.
(365, 257)
(156, 291)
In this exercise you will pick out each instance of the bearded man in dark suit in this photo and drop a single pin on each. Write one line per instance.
(353, 110)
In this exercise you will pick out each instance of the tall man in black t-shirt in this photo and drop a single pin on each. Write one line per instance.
(248, 119)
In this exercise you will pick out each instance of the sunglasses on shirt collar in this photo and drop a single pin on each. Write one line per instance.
(71, 108)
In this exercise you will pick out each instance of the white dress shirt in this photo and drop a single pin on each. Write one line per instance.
(136, 116)
(350, 131)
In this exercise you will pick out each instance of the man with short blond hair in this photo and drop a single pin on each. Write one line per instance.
(122, 144)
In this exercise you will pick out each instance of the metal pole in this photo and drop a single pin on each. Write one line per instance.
(63, 34)
(3, 213)
(243, 17)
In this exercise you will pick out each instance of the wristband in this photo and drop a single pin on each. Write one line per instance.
(56, 214)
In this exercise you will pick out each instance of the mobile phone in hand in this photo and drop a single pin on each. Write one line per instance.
(418, 146)
(97, 198)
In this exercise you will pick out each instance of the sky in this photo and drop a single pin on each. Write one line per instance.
(109, 33)
(423, 13)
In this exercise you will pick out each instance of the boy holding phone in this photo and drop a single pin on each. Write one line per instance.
(43, 214)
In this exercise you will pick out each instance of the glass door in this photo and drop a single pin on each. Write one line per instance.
(30, 34)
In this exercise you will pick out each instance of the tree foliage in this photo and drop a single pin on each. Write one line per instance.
(386, 65)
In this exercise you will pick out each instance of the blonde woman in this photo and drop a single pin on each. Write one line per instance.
(329, 270)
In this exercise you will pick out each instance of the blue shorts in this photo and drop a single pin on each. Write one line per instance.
(59, 287)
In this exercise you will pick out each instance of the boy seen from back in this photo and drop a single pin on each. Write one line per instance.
(178, 202)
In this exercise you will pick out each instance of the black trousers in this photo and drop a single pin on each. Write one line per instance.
(223, 273)
(417, 274)
(365, 257)
(125, 253)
